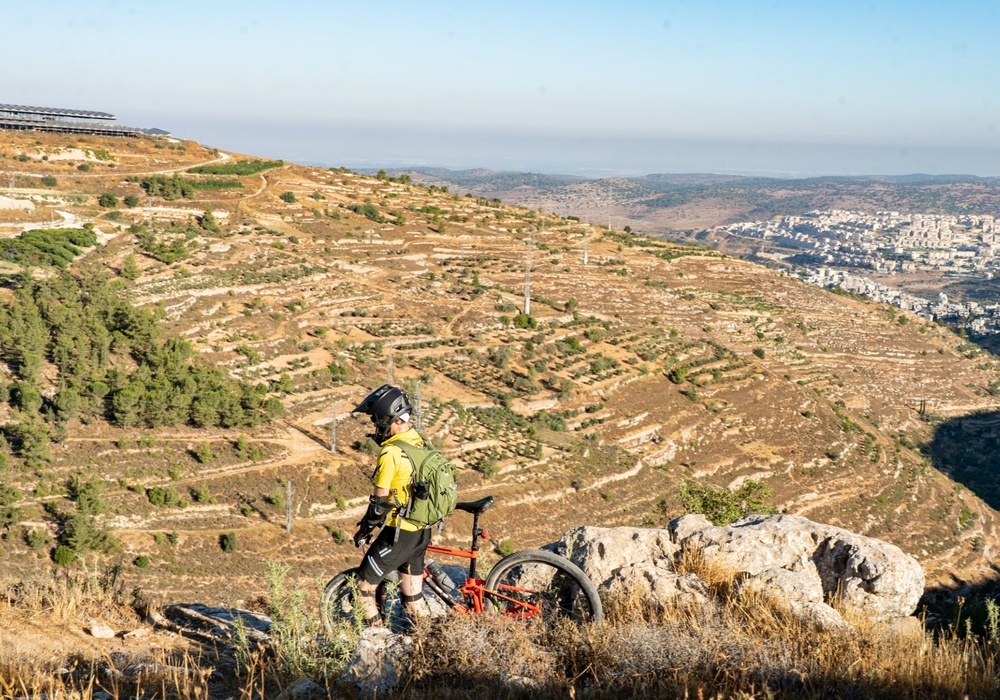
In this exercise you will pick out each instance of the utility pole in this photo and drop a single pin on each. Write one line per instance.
(527, 277)
(288, 506)
(333, 429)
(390, 362)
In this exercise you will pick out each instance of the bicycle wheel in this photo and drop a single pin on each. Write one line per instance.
(537, 583)
(338, 607)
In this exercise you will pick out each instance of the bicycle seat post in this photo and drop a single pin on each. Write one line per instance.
(476, 532)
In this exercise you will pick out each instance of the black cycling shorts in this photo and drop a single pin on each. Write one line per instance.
(405, 556)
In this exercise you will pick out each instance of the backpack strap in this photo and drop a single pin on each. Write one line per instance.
(407, 449)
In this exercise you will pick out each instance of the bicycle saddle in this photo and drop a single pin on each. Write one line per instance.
(477, 507)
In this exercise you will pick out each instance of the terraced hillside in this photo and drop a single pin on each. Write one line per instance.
(641, 366)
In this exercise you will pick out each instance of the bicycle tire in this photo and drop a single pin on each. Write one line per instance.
(537, 583)
(337, 605)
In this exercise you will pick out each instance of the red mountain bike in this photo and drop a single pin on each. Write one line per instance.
(528, 584)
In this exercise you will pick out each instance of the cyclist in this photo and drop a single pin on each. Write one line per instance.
(400, 545)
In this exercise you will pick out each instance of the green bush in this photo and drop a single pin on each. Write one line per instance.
(723, 506)
(108, 200)
(240, 168)
(204, 453)
(141, 561)
(49, 181)
(228, 542)
(337, 534)
(368, 446)
(36, 537)
(131, 201)
(678, 374)
(50, 247)
(525, 321)
(63, 555)
(504, 547)
(289, 197)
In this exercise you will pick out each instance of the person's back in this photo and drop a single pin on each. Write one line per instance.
(400, 545)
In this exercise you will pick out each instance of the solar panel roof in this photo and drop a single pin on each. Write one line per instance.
(56, 112)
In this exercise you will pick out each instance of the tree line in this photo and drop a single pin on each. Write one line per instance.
(113, 364)
(240, 168)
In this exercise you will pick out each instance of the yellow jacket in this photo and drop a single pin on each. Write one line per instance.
(395, 473)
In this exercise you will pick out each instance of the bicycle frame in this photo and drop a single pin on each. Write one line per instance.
(474, 590)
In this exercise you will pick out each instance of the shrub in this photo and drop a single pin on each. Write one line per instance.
(49, 181)
(228, 542)
(108, 200)
(525, 321)
(240, 168)
(131, 201)
(209, 222)
(63, 555)
(678, 374)
(203, 495)
(204, 453)
(337, 534)
(35, 538)
(724, 506)
(288, 197)
(130, 268)
(504, 547)
(141, 561)
(368, 446)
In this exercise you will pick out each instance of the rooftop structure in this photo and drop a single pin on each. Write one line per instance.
(63, 121)
(22, 110)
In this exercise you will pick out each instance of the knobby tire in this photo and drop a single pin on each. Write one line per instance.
(337, 604)
(537, 583)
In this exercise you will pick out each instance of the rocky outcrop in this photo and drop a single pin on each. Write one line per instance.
(378, 663)
(816, 569)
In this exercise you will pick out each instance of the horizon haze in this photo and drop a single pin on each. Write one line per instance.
(577, 88)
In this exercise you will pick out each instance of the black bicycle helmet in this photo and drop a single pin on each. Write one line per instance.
(385, 405)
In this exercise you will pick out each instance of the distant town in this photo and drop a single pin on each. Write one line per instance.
(827, 248)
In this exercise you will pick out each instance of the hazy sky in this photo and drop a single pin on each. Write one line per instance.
(881, 86)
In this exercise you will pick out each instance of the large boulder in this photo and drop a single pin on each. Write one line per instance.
(808, 565)
(656, 584)
(862, 574)
(602, 551)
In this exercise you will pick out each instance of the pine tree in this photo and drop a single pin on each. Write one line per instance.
(130, 269)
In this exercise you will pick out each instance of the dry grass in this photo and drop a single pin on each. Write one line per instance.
(746, 646)
(65, 595)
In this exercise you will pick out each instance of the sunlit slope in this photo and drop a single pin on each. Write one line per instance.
(642, 365)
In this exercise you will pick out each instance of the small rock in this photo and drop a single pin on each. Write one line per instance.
(820, 616)
(379, 662)
(139, 633)
(101, 631)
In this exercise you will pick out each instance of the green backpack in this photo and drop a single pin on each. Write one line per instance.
(434, 492)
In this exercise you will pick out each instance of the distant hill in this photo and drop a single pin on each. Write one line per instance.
(681, 204)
